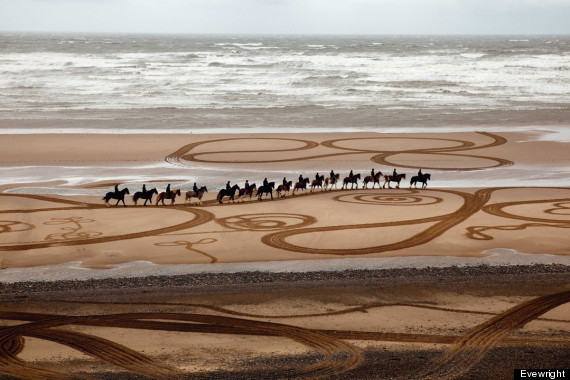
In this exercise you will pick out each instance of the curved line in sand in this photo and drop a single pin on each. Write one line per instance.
(471, 205)
(339, 356)
(182, 154)
(472, 347)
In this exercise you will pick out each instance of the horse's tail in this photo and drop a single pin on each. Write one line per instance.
(220, 196)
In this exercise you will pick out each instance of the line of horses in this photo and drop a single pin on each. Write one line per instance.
(161, 197)
(267, 189)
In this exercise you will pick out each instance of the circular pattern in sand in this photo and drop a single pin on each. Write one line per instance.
(389, 199)
(266, 221)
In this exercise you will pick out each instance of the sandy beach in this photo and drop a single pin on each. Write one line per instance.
(316, 283)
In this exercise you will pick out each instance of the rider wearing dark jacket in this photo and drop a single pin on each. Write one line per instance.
(265, 183)
(228, 187)
(195, 188)
(394, 174)
(420, 174)
(372, 173)
(284, 181)
(351, 175)
(117, 190)
(144, 188)
(246, 185)
(332, 174)
(300, 178)
(168, 192)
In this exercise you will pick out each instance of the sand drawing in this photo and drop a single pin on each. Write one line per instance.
(472, 204)
(14, 226)
(266, 221)
(190, 246)
(335, 355)
(74, 225)
(282, 226)
(200, 216)
(381, 157)
(560, 209)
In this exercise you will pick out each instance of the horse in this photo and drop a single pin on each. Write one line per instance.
(423, 179)
(283, 188)
(317, 182)
(162, 196)
(332, 181)
(301, 185)
(375, 180)
(352, 181)
(265, 190)
(192, 194)
(248, 191)
(391, 178)
(228, 193)
(146, 195)
(119, 197)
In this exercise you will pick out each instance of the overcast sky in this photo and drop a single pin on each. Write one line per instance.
(289, 16)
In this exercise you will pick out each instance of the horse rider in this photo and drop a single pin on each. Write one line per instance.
(246, 185)
(332, 175)
(168, 192)
(144, 188)
(372, 173)
(265, 183)
(420, 174)
(117, 190)
(351, 176)
(394, 174)
(228, 187)
(317, 176)
(195, 188)
(300, 178)
(284, 181)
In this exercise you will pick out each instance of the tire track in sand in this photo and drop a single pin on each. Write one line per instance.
(473, 346)
(337, 356)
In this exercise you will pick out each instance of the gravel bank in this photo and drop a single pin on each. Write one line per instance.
(205, 282)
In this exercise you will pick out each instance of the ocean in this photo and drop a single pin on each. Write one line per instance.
(153, 83)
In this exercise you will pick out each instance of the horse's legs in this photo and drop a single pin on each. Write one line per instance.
(124, 203)
(118, 200)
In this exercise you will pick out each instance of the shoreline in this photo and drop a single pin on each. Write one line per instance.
(143, 269)
(222, 282)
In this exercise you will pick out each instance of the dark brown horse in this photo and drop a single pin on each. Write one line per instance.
(265, 189)
(375, 180)
(249, 191)
(301, 185)
(391, 178)
(192, 194)
(284, 188)
(332, 181)
(353, 181)
(147, 196)
(228, 193)
(423, 179)
(120, 197)
(164, 195)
